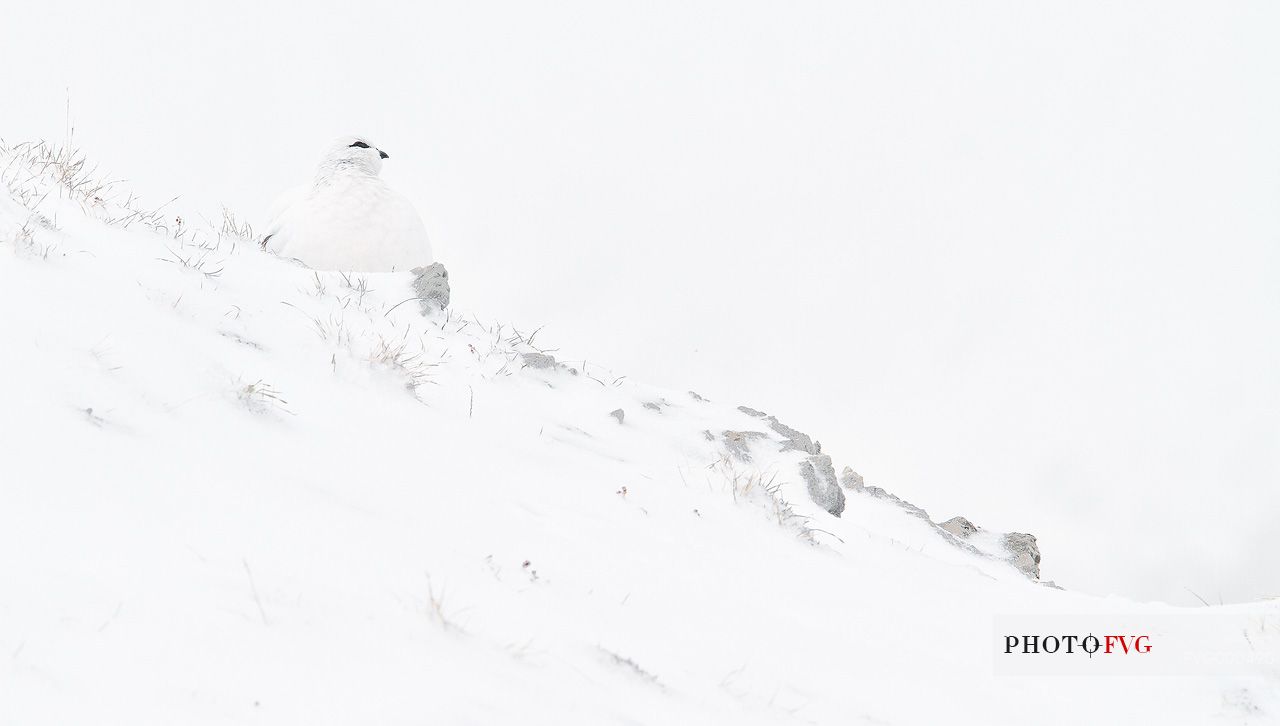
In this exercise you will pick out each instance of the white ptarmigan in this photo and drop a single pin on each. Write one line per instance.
(348, 219)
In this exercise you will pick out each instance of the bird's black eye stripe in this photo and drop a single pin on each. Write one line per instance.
(360, 144)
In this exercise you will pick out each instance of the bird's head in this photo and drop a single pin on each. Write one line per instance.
(354, 153)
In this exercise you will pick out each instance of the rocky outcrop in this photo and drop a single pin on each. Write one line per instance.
(828, 491)
(1025, 553)
(796, 440)
(816, 470)
(1018, 548)
(851, 479)
(820, 478)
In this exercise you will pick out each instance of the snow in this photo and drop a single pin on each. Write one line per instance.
(236, 490)
(1035, 241)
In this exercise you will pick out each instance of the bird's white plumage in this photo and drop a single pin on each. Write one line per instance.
(347, 218)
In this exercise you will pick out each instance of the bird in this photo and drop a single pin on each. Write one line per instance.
(347, 218)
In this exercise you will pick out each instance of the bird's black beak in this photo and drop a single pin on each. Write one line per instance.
(383, 154)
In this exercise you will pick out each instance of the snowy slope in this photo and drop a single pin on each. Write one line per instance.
(233, 490)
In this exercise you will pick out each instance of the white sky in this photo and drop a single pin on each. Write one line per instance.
(1017, 261)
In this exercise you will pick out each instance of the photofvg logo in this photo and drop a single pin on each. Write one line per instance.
(1089, 645)
(1180, 642)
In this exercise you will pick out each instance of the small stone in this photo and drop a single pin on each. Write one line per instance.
(618, 414)
(538, 360)
(431, 284)
(850, 479)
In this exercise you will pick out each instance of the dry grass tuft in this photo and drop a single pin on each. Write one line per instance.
(31, 170)
(755, 488)
(436, 609)
(399, 358)
(260, 397)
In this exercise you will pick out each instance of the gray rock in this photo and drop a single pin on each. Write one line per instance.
(820, 478)
(618, 414)
(538, 360)
(795, 440)
(696, 397)
(431, 284)
(1025, 552)
(850, 479)
(959, 526)
(906, 506)
(1022, 550)
(653, 406)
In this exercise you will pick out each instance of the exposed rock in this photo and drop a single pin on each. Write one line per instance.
(795, 440)
(826, 490)
(538, 360)
(906, 506)
(431, 284)
(1026, 553)
(653, 406)
(738, 443)
(959, 526)
(820, 478)
(850, 479)
(618, 414)
(1021, 549)
(696, 397)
